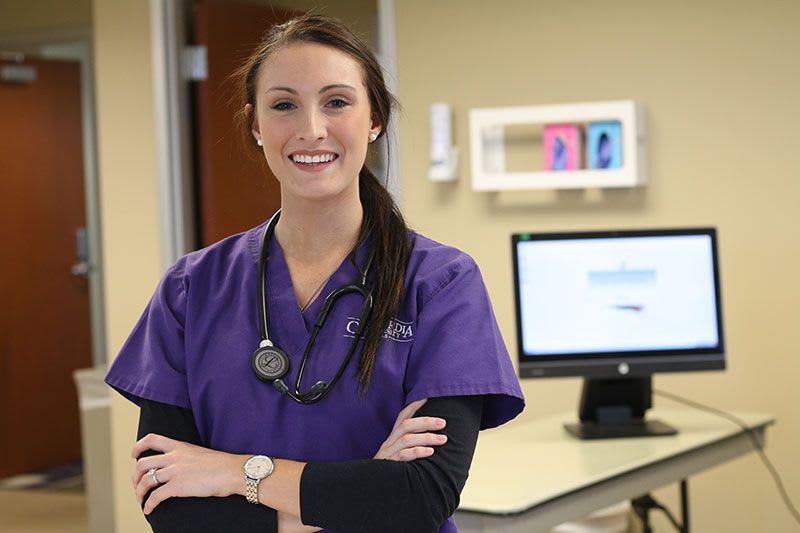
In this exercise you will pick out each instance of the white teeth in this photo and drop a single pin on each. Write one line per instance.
(313, 159)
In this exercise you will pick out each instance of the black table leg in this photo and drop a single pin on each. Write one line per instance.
(684, 506)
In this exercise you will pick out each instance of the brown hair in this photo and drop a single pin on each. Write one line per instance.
(383, 224)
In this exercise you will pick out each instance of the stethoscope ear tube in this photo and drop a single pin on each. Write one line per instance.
(262, 268)
(366, 311)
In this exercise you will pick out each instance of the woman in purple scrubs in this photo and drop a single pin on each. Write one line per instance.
(386, 447)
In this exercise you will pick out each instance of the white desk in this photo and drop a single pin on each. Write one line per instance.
(532, 476)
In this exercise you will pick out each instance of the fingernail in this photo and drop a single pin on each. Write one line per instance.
(442, 438)
(440, 423)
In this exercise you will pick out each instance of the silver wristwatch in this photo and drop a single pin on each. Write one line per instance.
(255, 469)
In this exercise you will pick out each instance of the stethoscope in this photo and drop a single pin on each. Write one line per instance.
(271, 364)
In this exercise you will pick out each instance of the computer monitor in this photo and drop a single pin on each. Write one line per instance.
(615, 307)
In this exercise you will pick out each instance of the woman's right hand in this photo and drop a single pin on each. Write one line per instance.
(410, 438)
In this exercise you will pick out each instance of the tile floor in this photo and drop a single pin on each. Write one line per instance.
(37, 511)
(50, 500)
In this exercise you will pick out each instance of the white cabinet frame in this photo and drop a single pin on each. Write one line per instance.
(487, 151)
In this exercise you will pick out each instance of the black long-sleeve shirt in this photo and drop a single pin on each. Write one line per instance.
(343, 496)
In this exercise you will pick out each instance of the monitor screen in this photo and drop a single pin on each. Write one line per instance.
(617, 302)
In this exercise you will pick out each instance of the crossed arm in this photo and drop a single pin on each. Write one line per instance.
(414, 490)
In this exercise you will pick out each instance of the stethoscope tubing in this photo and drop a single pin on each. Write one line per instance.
(320, 388)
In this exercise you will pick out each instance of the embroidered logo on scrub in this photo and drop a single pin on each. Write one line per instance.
(397, 330)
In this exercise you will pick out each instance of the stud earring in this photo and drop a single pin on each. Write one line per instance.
(258, 142)
(372, 137)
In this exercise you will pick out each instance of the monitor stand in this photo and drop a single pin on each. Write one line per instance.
(615, 408)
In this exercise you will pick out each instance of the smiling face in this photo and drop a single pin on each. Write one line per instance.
(313, 117)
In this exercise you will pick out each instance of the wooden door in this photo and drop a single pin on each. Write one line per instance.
(44, 315)
(236, 192)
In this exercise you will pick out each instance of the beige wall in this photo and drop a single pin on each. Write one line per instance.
(720, 84)
(129, 205)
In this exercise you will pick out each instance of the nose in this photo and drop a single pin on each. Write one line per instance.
(313, 127)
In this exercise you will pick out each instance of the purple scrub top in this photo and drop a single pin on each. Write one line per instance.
(193, 345)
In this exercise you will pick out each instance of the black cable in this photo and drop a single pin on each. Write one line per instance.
(669, 514)
(753, 438)
(646, 502)
(642, 512)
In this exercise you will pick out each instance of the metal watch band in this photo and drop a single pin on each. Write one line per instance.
(251, 489)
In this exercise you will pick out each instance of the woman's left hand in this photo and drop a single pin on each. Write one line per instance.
(184, 470)
(411, 437)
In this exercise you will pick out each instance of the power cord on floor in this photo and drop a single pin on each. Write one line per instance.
(753, 438)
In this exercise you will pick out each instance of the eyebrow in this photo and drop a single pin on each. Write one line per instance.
(324, 89)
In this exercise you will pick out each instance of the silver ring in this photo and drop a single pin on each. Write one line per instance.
(153, 475)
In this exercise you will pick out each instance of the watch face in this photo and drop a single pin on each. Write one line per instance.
(258, 467)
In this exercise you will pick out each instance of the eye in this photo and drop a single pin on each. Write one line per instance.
(338, 103)
(283, 106)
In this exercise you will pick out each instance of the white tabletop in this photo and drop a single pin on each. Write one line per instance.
(524, 464)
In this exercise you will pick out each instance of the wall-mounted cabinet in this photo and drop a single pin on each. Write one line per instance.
(488, 157)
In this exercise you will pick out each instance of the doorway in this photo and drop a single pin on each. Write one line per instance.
(51, 278)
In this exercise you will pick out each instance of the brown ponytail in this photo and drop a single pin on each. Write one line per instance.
(385, 227)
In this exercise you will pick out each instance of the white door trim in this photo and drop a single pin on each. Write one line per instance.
(387, 44)
(172, 130)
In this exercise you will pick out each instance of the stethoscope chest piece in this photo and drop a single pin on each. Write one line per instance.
(270, 363)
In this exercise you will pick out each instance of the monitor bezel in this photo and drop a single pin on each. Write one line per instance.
(615, 363)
